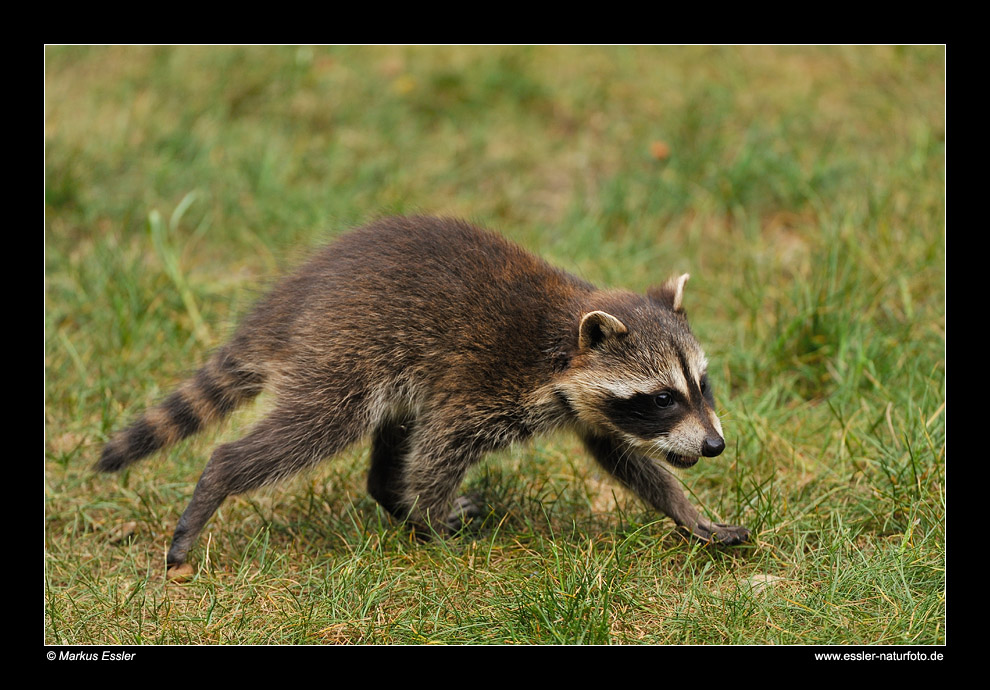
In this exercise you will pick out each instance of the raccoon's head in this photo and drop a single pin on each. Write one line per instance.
(640, 375)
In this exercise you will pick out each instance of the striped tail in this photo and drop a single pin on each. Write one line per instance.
(209, 396)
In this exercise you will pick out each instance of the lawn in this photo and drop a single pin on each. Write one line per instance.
(802, 187)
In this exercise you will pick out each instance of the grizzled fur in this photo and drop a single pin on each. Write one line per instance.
(442, 342)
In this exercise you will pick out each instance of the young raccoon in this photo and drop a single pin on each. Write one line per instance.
(442, 342)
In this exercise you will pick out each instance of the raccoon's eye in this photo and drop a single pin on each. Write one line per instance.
(704, 385)
(664, 399)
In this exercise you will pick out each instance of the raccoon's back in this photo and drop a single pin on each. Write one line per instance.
(424, 265)
(422, 292)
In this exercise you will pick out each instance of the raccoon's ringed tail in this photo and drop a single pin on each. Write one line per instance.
(205, 399)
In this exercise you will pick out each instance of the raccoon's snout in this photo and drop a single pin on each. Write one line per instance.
(714, 445)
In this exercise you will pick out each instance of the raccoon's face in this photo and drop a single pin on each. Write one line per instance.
(671, 418)
(641, 376)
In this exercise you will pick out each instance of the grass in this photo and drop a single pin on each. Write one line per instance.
(802, 187)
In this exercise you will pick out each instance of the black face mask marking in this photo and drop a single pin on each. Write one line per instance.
(642, 416)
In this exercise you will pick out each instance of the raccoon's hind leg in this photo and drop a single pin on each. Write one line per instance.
(389, 448)
(282, 444)
(660, 489)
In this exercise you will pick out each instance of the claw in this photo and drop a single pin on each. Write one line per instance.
(720, 535)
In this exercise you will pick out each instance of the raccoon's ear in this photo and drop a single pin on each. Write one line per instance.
(598, 326)
(670, 293)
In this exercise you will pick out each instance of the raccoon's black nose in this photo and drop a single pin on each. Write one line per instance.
(712, 447)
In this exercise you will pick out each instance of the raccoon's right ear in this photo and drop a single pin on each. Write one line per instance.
(671, 293)
(597, 327)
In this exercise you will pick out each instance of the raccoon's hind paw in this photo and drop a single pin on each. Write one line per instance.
(718, 534)
(182, 572)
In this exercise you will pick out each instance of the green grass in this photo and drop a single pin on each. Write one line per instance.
(803, 189)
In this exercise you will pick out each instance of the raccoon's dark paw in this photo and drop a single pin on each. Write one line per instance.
(730, 535)
(719, 534)
(463, 510)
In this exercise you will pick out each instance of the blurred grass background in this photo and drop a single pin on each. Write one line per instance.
(802, 187)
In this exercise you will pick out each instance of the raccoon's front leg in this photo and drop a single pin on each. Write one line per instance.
(659, 488)
(431, 475)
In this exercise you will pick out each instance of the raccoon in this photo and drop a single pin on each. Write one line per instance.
(442, 341)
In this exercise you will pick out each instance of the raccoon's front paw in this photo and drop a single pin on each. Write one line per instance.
(719, 534)
(730, 535)
(462, 511)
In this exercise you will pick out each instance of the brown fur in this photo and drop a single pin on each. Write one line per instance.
(441, 342)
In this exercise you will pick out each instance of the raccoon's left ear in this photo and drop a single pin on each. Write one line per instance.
(670, 293)
(598, 326)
